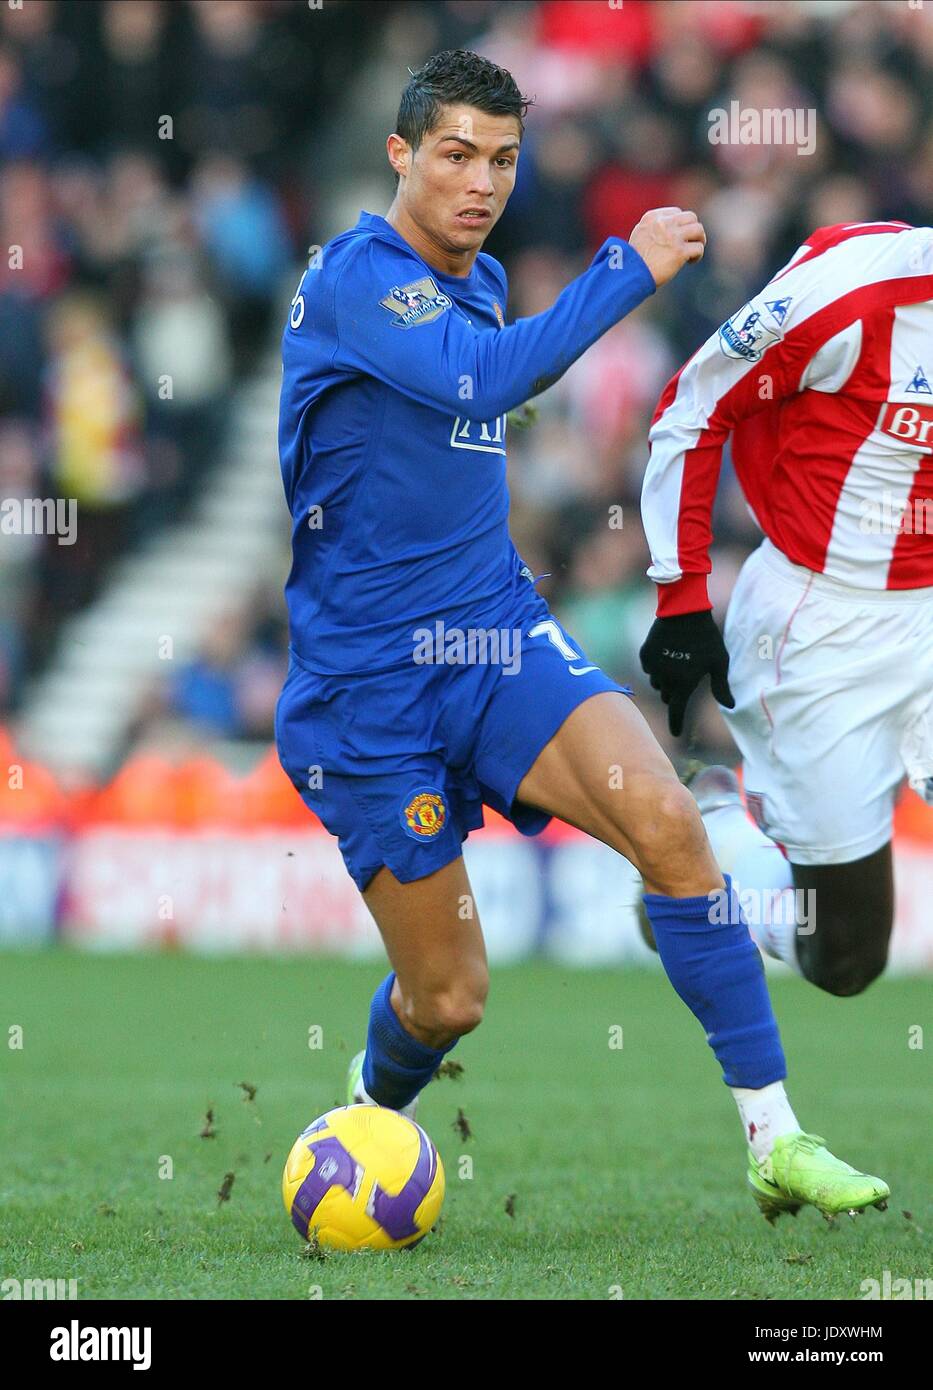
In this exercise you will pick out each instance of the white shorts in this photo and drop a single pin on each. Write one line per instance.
(834, 704)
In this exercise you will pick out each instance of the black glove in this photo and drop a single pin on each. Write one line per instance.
(677, 654)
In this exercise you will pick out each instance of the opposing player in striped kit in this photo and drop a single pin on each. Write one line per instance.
(825, 383)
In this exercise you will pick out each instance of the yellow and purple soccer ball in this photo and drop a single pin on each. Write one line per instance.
(363, 1178)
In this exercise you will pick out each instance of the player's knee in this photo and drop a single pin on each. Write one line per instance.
(437, 1017)
(669, 827)
(444, 1017)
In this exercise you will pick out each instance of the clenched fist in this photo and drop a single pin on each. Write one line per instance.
(666, 239)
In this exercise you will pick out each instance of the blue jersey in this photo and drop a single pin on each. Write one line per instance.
(392, 437)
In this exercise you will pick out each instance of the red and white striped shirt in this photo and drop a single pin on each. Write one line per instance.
(825, 381)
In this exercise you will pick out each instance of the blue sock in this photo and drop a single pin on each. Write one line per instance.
(714, 966)
(396, 1066)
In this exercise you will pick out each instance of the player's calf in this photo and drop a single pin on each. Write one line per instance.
(852, 921)
(841, 972)
(829, 922)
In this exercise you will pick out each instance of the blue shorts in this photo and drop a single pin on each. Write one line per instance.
(397, 764)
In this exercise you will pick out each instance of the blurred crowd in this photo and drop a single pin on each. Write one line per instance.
(167, 163)
(151, 167)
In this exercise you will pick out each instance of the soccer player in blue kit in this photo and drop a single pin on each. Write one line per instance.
(427, 675)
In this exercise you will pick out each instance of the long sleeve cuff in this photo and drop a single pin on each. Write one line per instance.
(688, 594)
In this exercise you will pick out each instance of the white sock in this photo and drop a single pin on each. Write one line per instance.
(763, 879)
(766, 1115)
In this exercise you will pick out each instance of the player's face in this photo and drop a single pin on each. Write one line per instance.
(461, 176)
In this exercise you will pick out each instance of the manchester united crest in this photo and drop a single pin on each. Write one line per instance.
(425, 815)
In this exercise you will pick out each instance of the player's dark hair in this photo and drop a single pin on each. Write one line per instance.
(456, 76)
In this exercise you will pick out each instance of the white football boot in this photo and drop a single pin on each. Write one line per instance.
(357, 1093)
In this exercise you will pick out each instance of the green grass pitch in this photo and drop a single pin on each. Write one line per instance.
(622, 1168)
